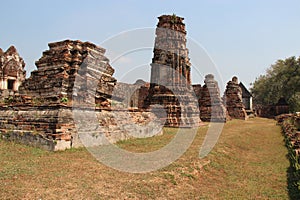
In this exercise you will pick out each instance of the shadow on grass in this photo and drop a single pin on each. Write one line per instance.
(293, 177)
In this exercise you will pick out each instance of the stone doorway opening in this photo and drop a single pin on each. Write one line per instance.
(10, 84)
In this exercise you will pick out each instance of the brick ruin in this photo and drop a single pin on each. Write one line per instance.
(233, 100)
(75, 74)
(53, 81)
(41, 115)
(170, 84)
(210, 102)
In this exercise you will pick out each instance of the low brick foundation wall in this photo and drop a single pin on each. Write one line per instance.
(53, 127)
(46, 127)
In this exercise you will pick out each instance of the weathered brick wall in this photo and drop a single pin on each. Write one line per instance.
(54, 128)
(47, 127)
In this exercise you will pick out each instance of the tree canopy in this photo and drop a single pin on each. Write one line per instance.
(282, 79)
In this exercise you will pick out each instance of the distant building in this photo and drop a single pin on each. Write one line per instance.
(12, 72)
(247, 97)
(281, 107)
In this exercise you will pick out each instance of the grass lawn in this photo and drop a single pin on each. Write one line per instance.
(248, 162)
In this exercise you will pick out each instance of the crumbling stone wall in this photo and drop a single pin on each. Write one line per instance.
(53, 127)
(124, 124)
(48, 127)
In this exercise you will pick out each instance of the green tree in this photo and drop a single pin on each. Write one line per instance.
(282, 79)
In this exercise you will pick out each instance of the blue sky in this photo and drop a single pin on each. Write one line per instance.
(242, 38)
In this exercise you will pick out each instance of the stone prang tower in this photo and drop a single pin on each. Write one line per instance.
(170, 84)
(170, 63)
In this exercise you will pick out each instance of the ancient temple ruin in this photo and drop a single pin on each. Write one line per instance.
(70, 75)
(12, 72)
(233, 100)
(74, 75)
(170, 84)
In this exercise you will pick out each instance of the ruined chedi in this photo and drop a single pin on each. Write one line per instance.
(54, 79)
(233, 100)
(210, 102)
(170, 84)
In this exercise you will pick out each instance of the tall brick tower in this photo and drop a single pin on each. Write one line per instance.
(170, 84)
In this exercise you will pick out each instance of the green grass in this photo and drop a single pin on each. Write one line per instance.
(248, 162)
